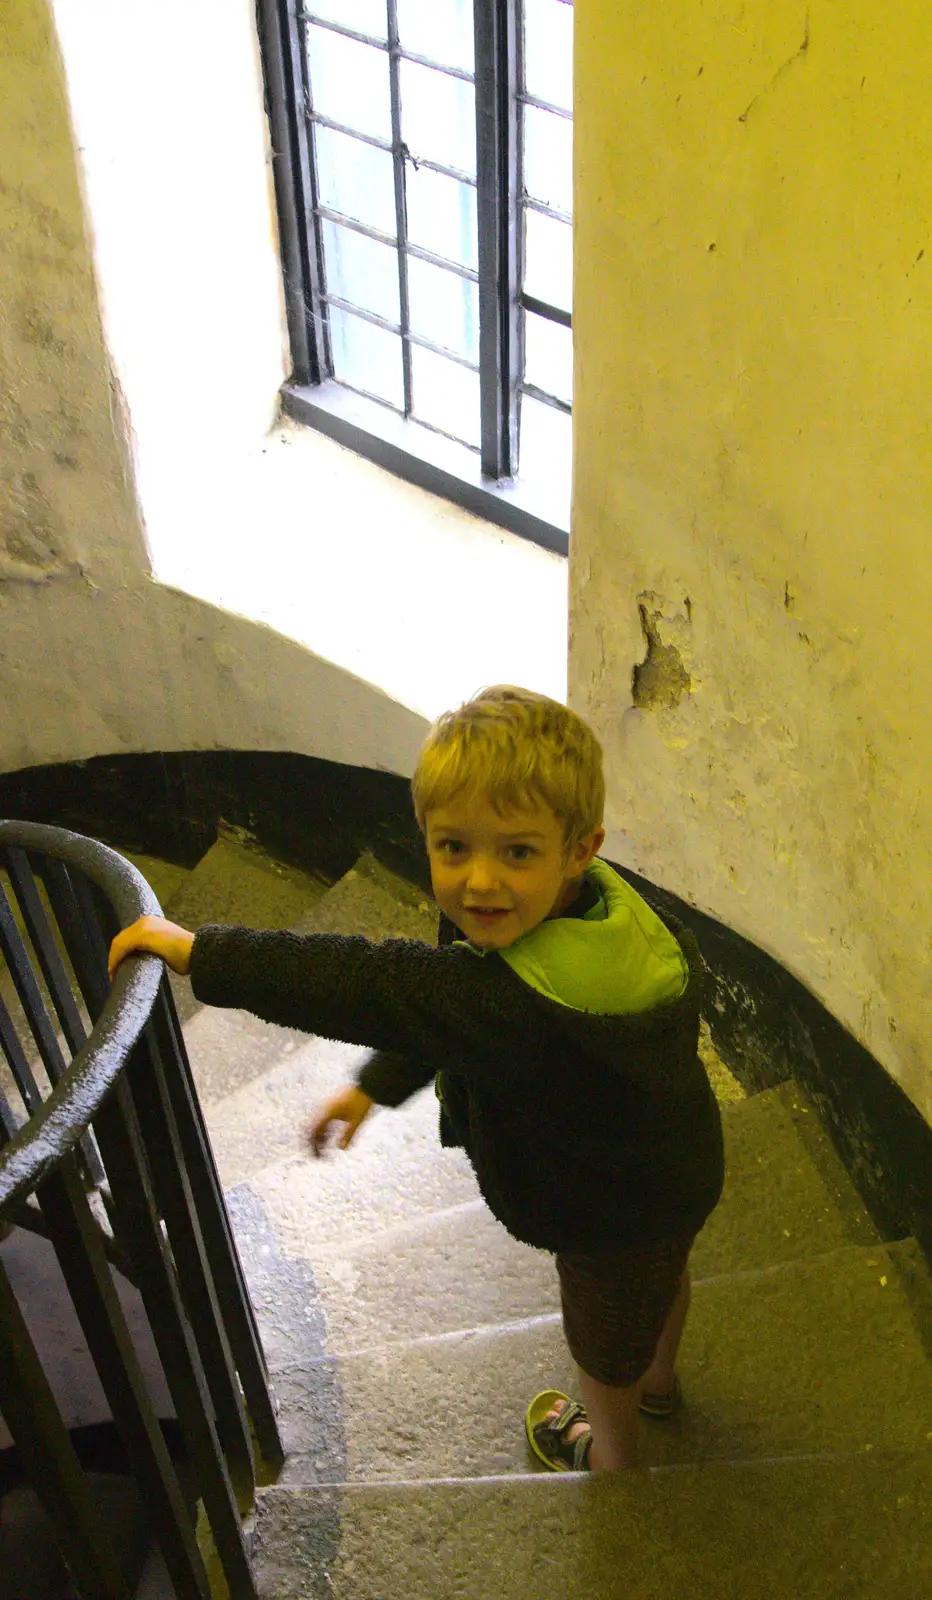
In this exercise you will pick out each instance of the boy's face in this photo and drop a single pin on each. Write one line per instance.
(497, 875)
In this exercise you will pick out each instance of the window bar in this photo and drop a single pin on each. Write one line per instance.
(543, 308)
(292, 166)
(520, 204)
(416, 250)
(320, 119)
(546, 398)
(382, 44)
(401, 221)
(497, 190)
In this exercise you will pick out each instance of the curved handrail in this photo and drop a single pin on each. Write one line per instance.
(63, 1118)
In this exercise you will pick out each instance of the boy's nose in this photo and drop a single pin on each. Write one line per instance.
(481, 875)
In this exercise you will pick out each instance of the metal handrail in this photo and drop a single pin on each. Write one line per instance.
(63, 1118)
(122, 1119)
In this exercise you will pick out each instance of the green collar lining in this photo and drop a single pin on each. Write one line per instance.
(616, 958)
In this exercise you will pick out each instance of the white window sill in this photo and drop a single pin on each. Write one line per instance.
(408, 592)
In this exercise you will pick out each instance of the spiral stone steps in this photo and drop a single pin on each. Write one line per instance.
(405, 1332)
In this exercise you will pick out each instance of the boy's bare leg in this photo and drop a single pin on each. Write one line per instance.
(661, 1374)
(613, 1417)
(613, 1421)
(613, 1412)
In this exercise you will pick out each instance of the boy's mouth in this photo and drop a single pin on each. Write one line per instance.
(487, 914)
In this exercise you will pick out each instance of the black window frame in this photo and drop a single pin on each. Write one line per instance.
(482, 481)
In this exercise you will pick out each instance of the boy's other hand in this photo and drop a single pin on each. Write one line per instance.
(157, 937)
(351, 1107)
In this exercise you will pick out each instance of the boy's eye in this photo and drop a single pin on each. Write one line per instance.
(520, 852)
(450, 847)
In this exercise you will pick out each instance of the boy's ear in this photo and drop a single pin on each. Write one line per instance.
(584, 850)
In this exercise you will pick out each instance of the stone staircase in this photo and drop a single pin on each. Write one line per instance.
(406, 1332)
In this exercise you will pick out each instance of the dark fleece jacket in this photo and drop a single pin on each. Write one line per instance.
(585, 1130)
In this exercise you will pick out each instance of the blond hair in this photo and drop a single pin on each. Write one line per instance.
(514, 745)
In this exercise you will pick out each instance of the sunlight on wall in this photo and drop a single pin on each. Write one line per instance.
(754, 489)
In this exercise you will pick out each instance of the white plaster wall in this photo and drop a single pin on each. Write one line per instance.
(167, 107)
(95, 657)
(66, 505)
(398, 586)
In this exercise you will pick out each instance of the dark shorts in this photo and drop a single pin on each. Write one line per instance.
(615, 1303)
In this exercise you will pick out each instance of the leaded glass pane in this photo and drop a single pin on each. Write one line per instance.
(438, 117)
(547, 454)
(446, 395)
(356, 179)
(548, 158)
(548, 356)
(367, 357)
(363, 16)
(361, 270)
(442, 30)
(444, 308)
(548, 259)
(442, 215)
(350, 82)
(548, 51)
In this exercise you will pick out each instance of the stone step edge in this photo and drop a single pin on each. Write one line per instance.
(518, 1325)
(383, 1486)
(410, 1228)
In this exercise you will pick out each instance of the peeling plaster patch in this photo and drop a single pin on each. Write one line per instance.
(661, 679)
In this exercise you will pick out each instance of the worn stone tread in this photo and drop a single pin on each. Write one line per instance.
(237, 881)
(165, 878)
(373, 901)
(808, 1529)
(260, 1128)
(818, 1355)
(400, 1174)
(398, 1278)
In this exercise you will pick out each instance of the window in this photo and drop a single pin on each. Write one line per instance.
(424, 180)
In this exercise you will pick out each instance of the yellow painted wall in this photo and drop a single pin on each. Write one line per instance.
(753, 477)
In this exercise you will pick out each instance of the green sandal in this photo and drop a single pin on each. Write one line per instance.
(662, 1405)
(548, 1439)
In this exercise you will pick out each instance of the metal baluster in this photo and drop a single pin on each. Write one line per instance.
(173, 1198)
(137, 1218)
(17, 959)
(78, 1246)
(7, 1121)
(121, 1144)
(215, 1226)
(43, 942)
(237, 1325)
(82, 941)
(56, 978)
(32, 1416)
(16, 1059)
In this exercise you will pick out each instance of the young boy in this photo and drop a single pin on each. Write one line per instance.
(559, 1015)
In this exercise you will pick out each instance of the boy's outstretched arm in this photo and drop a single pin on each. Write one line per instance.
(156, 936)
